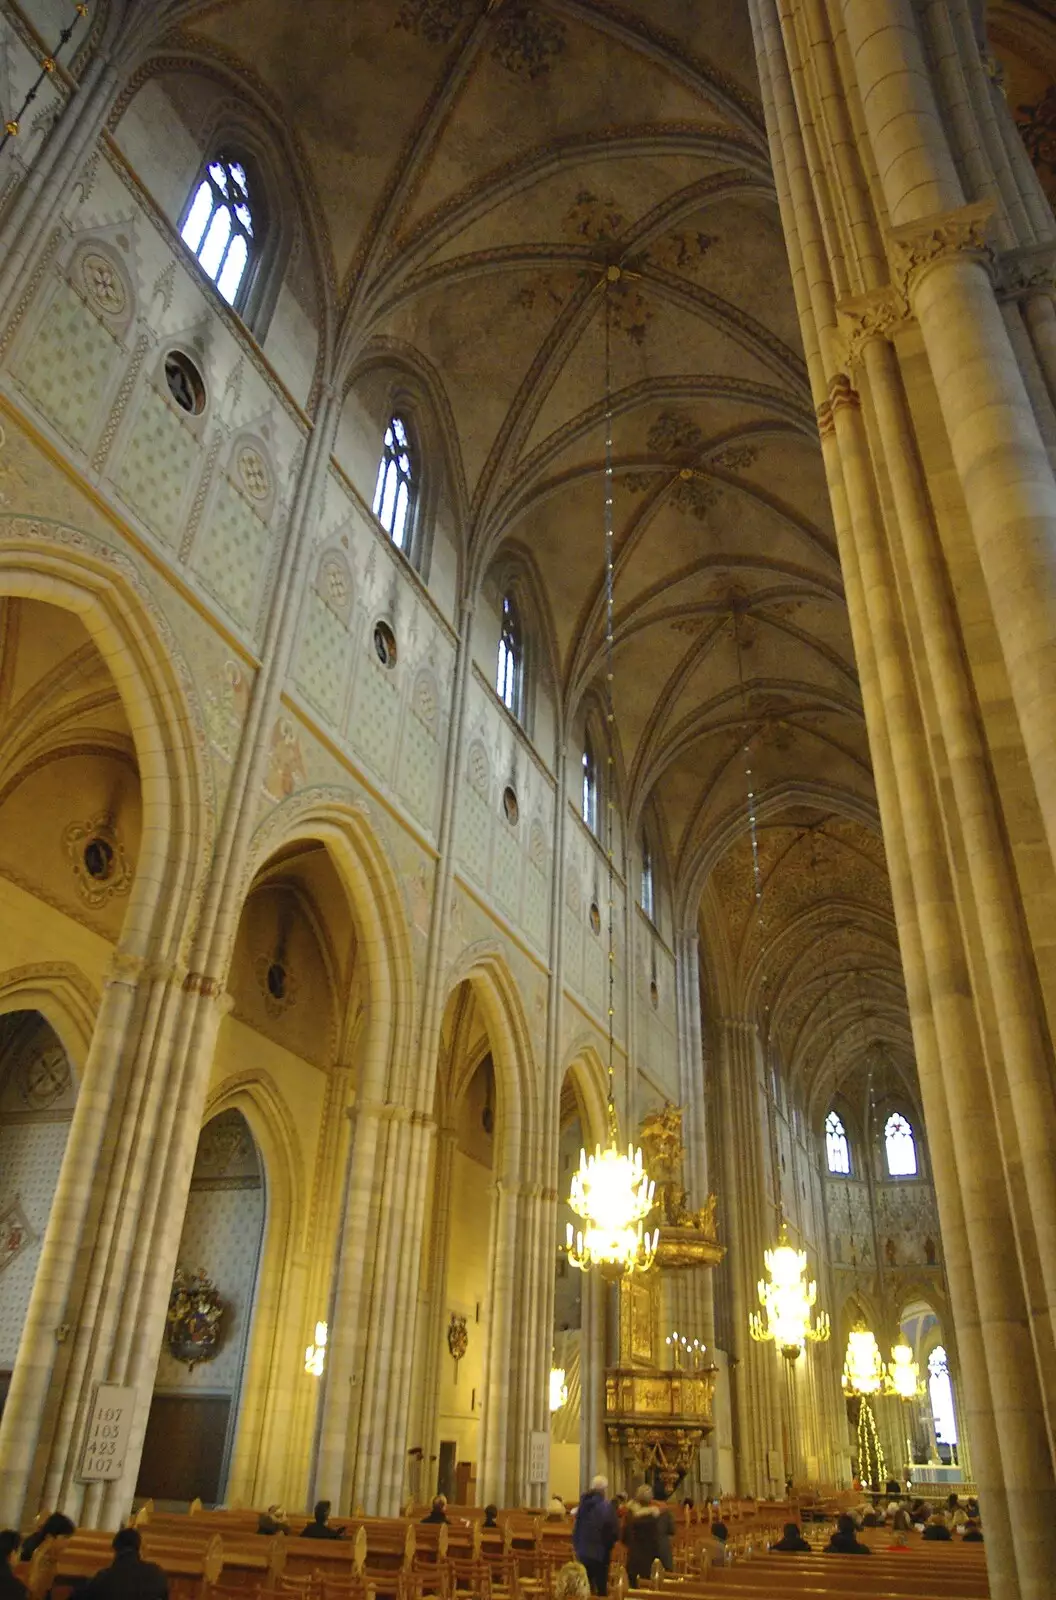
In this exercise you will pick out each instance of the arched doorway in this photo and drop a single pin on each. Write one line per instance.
(282, 1077)
(486, 1120)
(932, 1418)
(458, 1279)
(38, 1093)
(194, 1412)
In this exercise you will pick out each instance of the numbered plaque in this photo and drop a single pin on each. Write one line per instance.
(109, 1428)
(539, 1458)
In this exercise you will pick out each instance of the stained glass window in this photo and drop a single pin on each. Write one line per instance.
(648, 887)
(940, 1391)
(396, 491)
(837, 1147)
(590, 787)
(509, 677)
(901, 1147)
(218, 227)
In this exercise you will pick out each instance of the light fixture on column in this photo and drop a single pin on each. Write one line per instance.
(788, 1301)
(558, 1388)
(611, 1191)
(315, 1354)
(685, 1352)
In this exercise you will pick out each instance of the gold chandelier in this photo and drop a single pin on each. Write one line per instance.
(903, 1375)
(788, 1302)
(611, 1191)
(863, 1370)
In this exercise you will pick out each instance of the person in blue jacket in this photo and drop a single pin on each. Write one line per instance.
(594, 1532)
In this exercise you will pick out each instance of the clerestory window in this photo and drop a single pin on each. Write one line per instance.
(509, 676)
(219, 227)
(396, 491)
(589, 803)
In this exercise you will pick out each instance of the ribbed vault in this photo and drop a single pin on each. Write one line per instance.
(477, 167)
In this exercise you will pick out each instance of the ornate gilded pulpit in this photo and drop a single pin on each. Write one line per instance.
(659, 1417)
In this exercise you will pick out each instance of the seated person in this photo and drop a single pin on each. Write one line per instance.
(491, 1516)
(973, 1533)
(956, 1516)
(714, 1545)
(791, 1539)
(11, 1587)
(438, 1512)
(56, 1526)
(273, 1520)
(571, 1582)
(937, 1528)
(128, 1577)
(845, 1541)
(319, 1527)
(899, 1518)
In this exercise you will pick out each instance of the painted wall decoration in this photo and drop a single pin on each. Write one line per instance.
(15, 1233)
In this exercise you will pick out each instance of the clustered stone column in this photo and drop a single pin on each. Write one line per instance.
(922, 255)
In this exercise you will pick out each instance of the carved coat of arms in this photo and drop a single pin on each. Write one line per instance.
(192, 1327)
(457, 1336)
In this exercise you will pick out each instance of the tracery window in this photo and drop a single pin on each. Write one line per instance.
(589, 809)
(648, 885)
(509, 677)
(219, 227)
(940, 1392)
(396, 491)
(837, 1145)
(901, 1147)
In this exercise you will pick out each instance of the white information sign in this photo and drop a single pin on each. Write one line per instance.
(109, 1427)
(539, 1458)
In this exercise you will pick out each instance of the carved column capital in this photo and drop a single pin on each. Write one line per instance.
(1026, 271)
(865, 317)
(914, 248)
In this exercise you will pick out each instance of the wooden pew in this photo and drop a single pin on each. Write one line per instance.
(250, 1558)
(191, 1565)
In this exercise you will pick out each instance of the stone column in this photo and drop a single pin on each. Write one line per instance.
(432, 1303)
(593, 1359)
(108, 1079)
(699, 1286)
(499, 1478)
(937, 1110)
(757, 1377)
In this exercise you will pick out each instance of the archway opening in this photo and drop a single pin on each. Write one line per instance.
(194, 1411)
(283, 1070)
(37, 1098)
(458, 1280)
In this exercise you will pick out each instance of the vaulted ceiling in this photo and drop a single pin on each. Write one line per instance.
(477, 166)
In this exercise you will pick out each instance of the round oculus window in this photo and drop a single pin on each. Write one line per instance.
(99, 858)
(385, 644)
(185, 383)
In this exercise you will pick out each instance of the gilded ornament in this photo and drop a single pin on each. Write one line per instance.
(192, 1325)
(457, 1337)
